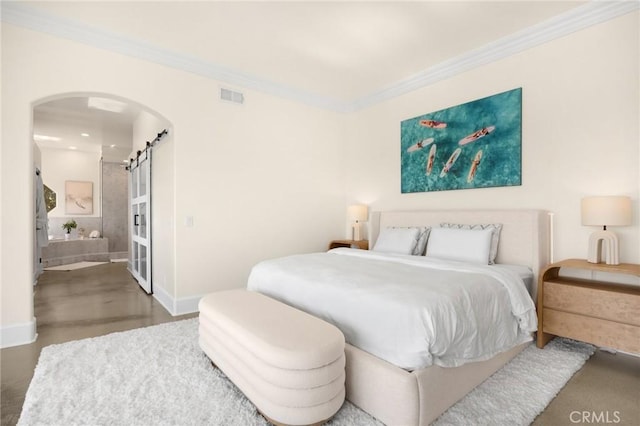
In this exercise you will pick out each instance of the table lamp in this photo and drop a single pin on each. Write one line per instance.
(357, 213)
(605, 211)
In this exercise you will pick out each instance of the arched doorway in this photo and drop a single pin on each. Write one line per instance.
(104, 131)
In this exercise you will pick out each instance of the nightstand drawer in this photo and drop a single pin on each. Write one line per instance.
(594, 300)
(592, 330)
(602, 313)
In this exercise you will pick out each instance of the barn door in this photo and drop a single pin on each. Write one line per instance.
(140, 221)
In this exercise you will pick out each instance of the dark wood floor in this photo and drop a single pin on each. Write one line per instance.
(75, 305)
(104, 299)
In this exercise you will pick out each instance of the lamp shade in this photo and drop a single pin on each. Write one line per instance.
(358, 213)
(606, 211)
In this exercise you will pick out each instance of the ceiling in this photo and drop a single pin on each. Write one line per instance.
(342, 51)
(71, 124)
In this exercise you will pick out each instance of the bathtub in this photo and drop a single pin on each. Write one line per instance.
(63, 252)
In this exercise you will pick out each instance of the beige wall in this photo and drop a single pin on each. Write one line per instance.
(259, 180)
(580, 133)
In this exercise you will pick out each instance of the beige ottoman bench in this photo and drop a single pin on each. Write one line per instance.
(288, 363)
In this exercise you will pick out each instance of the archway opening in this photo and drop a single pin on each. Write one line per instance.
(82, 143)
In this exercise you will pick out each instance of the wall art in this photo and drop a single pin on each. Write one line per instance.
(473, 145)
(78, 197)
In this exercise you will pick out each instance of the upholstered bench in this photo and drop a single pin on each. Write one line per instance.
(288, 363)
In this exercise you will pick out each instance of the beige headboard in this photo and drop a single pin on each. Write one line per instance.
(525, 238)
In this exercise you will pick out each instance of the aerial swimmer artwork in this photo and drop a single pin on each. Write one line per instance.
(450, 162)
(420, 145)
(476, 135)
(473, 145)
(431, 159)
(474, 166)
(433, 124)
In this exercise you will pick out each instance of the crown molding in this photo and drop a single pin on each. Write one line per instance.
(19, 14)
(589, 14)
(592, 13)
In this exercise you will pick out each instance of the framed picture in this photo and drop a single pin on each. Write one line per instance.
(473, 145)
(78, 197)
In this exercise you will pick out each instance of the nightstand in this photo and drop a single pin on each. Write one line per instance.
(601, 313)
(362, 244)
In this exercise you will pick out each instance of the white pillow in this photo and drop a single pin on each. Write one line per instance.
(495, 236)
(464, 245)
(397, 240)
(423, 236)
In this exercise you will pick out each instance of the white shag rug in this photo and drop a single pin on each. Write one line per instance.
(73, 266)
(159, 376)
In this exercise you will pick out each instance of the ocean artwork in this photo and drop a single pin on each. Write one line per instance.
(473, 145)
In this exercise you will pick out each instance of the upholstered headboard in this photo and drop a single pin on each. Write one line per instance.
(525, 238)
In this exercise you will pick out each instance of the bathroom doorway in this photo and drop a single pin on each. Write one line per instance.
(90, 138)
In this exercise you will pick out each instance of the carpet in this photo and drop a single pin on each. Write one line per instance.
(159, 376)
(73, 266)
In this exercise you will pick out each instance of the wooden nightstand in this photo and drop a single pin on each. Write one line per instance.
(601, 313)
(362, 244)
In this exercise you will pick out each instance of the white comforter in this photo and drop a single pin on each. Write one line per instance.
(412, 311)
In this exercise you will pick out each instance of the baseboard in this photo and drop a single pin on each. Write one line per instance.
(187, 305)
(18, 334)
(176, 307)
(164, 298)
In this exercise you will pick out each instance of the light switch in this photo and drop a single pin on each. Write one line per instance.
(188, 222)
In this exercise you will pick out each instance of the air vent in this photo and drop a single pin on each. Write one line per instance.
(231, 96)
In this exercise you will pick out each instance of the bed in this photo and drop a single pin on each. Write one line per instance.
(415, 386)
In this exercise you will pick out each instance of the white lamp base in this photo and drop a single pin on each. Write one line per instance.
(603, 243)
(356, 232)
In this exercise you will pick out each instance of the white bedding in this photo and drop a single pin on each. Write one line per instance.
(412, 311)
